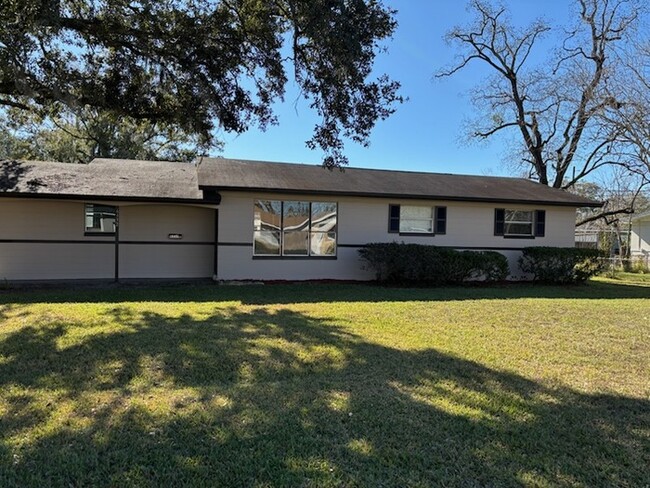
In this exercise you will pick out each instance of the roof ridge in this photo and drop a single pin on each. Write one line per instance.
(97, 161)
(255, 175)
(344, 168)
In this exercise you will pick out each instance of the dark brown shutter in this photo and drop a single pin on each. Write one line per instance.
(393, 218)
(441, 220)
(540, 223)
(499, 221)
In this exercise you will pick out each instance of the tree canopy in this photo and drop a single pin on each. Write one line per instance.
(81, 135)
(200, 66)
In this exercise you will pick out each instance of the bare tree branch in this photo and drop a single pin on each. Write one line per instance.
(568, 119)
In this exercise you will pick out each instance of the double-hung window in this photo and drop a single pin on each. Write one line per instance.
(100, 219)
(519, 223)
(294, 228)
(417, 219)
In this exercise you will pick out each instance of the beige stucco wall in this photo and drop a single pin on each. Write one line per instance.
(42, 219)
(149, 252)
(39, 261)
(360, 220)
(166, 261)
(156, 222)
(364, 220)
(236, 263)
(170, 258)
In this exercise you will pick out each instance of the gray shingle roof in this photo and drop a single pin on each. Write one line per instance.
(236, 174)
(172, 181)
(111, 178)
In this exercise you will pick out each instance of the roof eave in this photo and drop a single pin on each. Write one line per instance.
(592, 204)
(112, 198)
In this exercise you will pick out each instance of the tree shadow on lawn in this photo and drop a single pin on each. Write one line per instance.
(277, 398)
(317, 292)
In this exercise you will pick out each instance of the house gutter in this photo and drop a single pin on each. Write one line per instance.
(393, 196)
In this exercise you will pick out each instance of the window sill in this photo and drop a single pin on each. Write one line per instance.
(99, 234)
(518, 237)
(423, 234)
(296, 258)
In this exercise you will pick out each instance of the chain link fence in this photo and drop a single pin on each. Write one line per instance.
(635, 264)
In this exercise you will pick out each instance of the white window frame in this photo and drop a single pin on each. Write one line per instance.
(530, 222)
(430, 221)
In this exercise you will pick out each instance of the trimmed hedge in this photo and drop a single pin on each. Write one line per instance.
(561, 264)
(430, 265)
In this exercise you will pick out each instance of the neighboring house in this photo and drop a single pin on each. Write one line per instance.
(640, 235)
(248, 220)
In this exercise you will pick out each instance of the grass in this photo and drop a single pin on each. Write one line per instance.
(630, 278)
(326, 385)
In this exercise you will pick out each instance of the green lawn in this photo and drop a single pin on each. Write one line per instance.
(326, 385)
(630, 278)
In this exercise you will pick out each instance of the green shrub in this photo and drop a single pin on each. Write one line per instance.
(561, 264)
(638, 265)
(431, 265)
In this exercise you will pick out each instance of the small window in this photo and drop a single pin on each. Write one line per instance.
(415, 220)
(412, 219)
(519, 223)
(100, 219)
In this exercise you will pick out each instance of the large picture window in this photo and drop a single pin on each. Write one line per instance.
(294, 228)
(100, 219)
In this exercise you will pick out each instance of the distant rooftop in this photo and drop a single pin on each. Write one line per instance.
(641, 216)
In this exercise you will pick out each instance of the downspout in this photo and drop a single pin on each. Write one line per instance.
(215, 270)
(117, 245)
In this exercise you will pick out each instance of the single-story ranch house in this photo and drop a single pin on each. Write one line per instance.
(230, 219)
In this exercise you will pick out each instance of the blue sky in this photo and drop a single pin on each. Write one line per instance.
(426, 132)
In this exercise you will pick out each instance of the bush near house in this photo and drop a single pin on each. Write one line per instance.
(561, 264)
(432, 265)
(637, 264)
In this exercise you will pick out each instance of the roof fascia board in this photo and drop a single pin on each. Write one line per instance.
(108, 198)
(399, 195)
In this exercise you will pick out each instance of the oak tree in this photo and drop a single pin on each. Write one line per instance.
(83, 134)
(201, 65)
